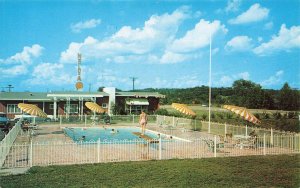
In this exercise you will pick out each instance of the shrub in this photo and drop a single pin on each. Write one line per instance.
(257, 115)
(266, 115)
(221, 116)
(229, 115)
(277, 115)
(204, 116)
(162, 111)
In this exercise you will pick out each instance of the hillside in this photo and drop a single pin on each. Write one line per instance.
(242, 93)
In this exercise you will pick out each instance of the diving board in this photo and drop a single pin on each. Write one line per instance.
(145, 137)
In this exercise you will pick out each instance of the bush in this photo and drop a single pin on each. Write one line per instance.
(277, 115)
(229, 115)
(204, 116)
(162, 111)
(257, 115)
(292, 115)
(266, 115)
(221, 116)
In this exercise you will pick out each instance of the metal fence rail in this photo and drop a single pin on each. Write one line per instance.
(59, 153)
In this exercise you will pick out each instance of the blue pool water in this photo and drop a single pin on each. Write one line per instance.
(93, 134)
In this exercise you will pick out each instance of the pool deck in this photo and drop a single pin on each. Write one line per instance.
(54, 133)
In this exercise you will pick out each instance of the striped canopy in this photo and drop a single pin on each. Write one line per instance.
(243, 112)
(183, 109)
(94, 107)
(32, 110)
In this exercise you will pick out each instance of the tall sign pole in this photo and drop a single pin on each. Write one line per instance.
(209, 95)
(79, 84)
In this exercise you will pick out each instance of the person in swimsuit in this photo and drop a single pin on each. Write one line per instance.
(143, 121)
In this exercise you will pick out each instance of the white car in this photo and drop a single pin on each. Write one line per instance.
(31, 117)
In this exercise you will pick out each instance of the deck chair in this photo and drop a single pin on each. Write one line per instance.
(211, 145)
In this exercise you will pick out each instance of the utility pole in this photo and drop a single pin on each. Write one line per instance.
(9, 87)
(133, 79)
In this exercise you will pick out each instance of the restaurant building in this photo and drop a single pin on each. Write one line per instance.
(73, 102)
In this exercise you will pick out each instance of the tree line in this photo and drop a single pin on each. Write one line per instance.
(242, 93)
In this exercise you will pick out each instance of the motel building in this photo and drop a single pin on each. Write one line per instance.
(68, 103)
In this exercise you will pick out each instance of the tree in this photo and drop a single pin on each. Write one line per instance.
(247, 94)
(288, 98)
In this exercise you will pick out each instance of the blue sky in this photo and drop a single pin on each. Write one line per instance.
(165, 44)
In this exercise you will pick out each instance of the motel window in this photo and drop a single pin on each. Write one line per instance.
(104, 105)
(13, 109)
(73, 109)
(51, 106)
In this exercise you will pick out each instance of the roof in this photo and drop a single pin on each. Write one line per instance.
(23, 96)
(74, 95)
(137, 101)
(43, 96)
(77, 94)
(140, 94)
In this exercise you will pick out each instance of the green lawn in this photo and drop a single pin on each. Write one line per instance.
(254, 171)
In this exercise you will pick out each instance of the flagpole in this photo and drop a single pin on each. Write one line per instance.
(209, 95)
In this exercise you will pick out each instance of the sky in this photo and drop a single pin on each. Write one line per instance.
(164, 44)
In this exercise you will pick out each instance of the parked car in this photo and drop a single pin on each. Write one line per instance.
(32, 118)
(3, 119)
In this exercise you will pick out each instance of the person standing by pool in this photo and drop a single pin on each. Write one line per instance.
(143, 121)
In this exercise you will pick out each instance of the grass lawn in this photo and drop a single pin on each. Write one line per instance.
(253, 171)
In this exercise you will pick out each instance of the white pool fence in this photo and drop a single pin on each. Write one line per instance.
(61, 153)
(32, 153)
(8, 141)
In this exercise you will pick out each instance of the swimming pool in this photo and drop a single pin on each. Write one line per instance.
(106, 134)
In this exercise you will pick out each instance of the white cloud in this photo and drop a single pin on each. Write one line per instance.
(184, 81)
(198, 14)
(26, 56)
(243, 75)
(14, 71)
(197, 37)
(19, 63)
(254, 14)
(273, 80)
(227, 80)
(268, 26)
(239, 43)
(156, 33)
(284, 41)
(233, 5)
(88, 24)
(259, 39)
(70, 55)
(51, 73)
(170, 57)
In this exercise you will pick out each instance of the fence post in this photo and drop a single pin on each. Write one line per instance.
(173, 121)
(215, 146)
(271, 139)
(132, 118)
(195, 124)
(160, 148)
(31, 154)
(98, 150)
(264, 143)
(60, 119)
(85, 120)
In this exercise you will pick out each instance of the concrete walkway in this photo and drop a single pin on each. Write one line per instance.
(13, 171)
